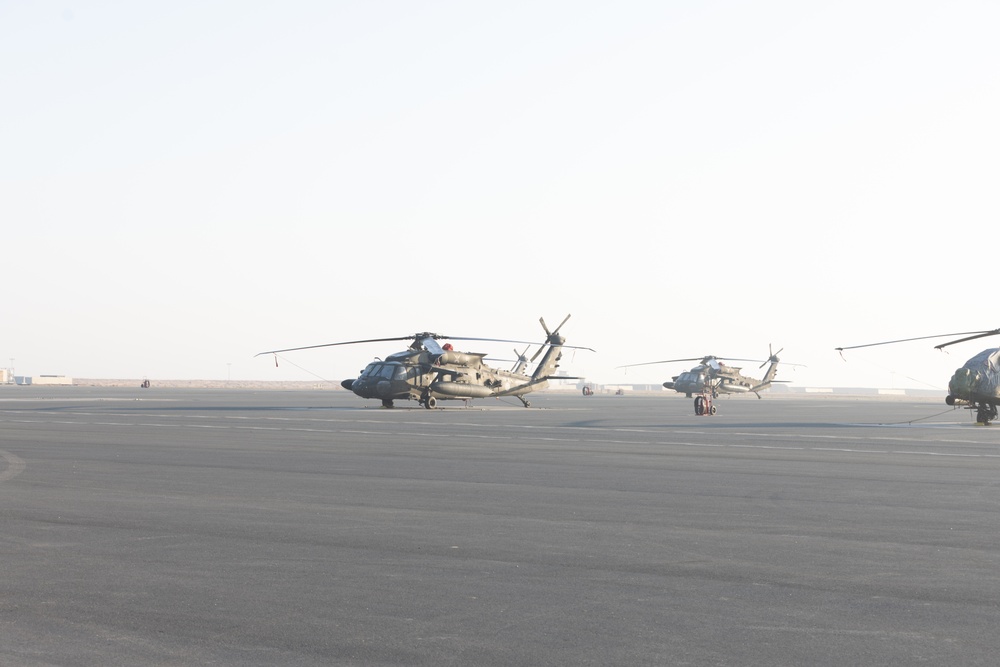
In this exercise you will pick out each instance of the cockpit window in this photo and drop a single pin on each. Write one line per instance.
(382, 370)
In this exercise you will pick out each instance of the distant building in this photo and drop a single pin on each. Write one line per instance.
(43, 379)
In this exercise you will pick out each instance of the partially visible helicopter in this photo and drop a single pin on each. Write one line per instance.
(427, 372)
(976, 384)
(712, 377)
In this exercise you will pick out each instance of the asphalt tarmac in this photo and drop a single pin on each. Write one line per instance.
(213, 527)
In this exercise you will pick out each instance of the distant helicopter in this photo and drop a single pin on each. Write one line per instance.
(427, 371)
(712, 377)
(976, 384)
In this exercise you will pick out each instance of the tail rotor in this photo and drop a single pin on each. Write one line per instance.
(522, 360)
(773, 356)
(550, 336)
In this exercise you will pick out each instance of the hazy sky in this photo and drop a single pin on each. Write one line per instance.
(185, 184)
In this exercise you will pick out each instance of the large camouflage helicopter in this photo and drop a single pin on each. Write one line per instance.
(427, 372)
(976, 384)
(712, 377)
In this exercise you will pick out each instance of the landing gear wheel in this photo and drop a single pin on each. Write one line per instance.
(387, 403)
(430, 403)
(986, 413)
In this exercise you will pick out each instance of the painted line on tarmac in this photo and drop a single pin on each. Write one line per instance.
(16, 465)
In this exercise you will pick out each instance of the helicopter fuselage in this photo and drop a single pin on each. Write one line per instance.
(977, 384)
(419, 375)
(697, 381)
(428, 371)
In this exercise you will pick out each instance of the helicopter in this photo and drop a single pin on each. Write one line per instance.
(712, 377)
(427, 371)
(976, 384)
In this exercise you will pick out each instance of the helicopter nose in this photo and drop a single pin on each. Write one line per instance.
(347, 384)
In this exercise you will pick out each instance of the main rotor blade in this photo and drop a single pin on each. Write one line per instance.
(349, 342)
(492, 340)
(419, 336)
(565, 347)
(983, 334)
(665, 361)
(971, 334)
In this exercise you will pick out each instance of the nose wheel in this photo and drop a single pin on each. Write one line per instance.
(703, 405)
(985, 413)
